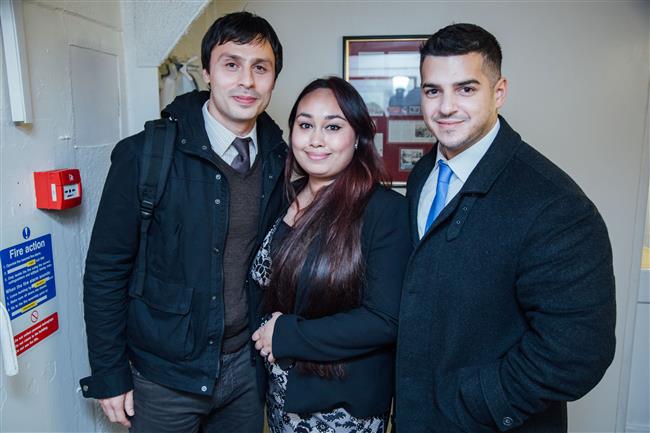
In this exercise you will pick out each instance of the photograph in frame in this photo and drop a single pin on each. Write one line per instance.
(385, 70)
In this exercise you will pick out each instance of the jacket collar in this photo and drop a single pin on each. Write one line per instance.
(192, 138)
(503, 148)
(416, 181)
(269, 135)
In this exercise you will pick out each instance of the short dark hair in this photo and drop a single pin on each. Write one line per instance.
(241, 28)
(465, 38)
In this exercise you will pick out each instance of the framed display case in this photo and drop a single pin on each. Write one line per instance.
(386, 72)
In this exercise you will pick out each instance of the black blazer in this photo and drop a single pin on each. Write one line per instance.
(508, 306)
(363, 337)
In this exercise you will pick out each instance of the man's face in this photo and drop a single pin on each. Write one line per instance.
(459, 101)
(241, 79)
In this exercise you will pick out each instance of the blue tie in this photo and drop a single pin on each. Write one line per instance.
(444, 175)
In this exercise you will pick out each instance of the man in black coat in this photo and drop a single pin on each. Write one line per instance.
(169, 323)
(508, 306)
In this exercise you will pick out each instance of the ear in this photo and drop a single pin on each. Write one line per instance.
(206, 76)
(500, 92)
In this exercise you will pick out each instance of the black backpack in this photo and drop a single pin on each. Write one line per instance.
(157, 155)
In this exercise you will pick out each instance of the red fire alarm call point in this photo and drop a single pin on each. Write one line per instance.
(58, 189)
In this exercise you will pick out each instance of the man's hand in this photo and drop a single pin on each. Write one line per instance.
(115, 408)
(263, 337)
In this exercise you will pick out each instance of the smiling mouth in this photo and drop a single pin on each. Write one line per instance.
(245, 100)
(449, 123)
(317, 156)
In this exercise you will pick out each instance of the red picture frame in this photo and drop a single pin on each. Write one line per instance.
(386, 72)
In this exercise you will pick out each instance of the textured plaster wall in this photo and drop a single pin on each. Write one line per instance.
(190, 43)
(92, 69)
(45, 395)
(151, 30)
(160, 25)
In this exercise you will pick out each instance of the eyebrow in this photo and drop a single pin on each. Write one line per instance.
(328, 117)
(459, 84)
(335, 116)
(240, 58)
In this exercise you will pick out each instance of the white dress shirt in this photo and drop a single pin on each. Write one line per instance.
(461, 165)
(221, 138)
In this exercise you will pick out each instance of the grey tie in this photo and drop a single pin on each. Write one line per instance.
(242, 162)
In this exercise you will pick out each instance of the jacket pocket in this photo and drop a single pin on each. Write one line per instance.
(165, 251)
(159, 320)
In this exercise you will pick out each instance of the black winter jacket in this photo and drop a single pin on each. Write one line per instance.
(172, 332)
(508, 307)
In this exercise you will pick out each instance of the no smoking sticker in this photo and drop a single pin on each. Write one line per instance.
(37, 333)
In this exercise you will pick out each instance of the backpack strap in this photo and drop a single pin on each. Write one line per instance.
(157, 155)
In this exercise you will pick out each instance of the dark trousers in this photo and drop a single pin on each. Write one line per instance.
(234, 407)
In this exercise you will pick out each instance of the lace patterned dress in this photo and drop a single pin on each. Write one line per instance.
(336, 421)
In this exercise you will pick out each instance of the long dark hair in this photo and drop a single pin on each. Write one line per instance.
(325, 241)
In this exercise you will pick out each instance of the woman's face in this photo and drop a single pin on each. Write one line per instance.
(322, 140)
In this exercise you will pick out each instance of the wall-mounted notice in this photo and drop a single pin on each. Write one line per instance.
(33, 335)
(28, 285)
(28, 275)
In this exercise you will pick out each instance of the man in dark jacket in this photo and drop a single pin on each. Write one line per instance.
(170, 352)
(508, 304)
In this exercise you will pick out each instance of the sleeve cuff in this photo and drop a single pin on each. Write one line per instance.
(285, 331)
(107, 385)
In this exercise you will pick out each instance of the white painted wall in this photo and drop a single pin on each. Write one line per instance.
(638, 415)
(637, 337)
(45, 395)
(93, 81)
(578, 75)
(151, 30)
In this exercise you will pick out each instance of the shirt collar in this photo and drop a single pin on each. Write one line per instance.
(464, 163)
(221, 137)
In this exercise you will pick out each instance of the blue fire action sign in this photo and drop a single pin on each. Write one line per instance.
(28, 275)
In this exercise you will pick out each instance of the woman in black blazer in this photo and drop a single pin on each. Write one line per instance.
(330, 272)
